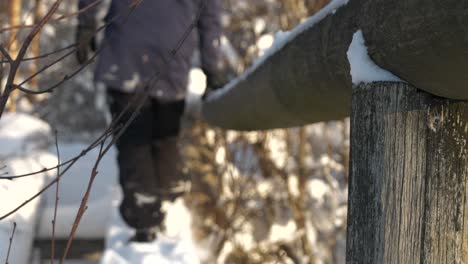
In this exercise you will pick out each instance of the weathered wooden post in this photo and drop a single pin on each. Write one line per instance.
(408, 196)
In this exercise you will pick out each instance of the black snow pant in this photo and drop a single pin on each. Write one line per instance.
(148, 158)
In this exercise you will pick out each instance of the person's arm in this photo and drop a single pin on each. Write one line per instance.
(87, 11)
(86, 29)
(210, 32)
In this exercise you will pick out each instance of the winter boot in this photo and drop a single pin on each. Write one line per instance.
(144, 235)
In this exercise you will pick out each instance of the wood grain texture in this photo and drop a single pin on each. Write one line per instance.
(409, 177)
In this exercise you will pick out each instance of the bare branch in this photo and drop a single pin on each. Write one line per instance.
(54, 20)
(40, 192)
(45, 55)
(16, 29)
(22, 52)
(75, 72)
(54, 221)
(6, 55)
(83, 153)
(83, 205)
(47, 66)
(59, 83)
(11, 242)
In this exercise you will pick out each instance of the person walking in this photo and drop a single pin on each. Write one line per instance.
(137, 49)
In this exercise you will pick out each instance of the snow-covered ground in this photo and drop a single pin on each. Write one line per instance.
(72, 187)
(22, 150)
(174, 246)
(27, 145)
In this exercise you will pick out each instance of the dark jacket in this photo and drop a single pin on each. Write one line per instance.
(137, 44)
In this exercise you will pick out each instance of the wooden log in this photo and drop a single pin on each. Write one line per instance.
(308, 80)
(408, 194)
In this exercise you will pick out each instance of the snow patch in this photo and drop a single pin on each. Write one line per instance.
(21, 133)
(265, 42)
(197, 82)
(20, 154)
(72, 188)
(283, 233)
(260, 25)
(363, 69)
(175, 246)
(293, 185)
(195, 89)
(142, 199)
(318, 189)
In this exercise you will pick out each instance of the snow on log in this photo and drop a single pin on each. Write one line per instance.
(307, 78)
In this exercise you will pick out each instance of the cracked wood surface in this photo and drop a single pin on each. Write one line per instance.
(409, 177)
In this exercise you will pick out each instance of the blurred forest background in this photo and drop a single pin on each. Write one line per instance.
(259, 197)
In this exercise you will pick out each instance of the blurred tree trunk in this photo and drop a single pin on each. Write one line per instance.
(14, 9)
(295, 12)
(298, 204)
(315, 5)
(298, 10)
(35, 51)
(35, 45)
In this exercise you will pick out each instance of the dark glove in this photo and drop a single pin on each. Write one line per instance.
(215, 81)
(85, 40)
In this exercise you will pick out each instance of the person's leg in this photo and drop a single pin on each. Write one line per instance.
(140, 207)
(166, 156)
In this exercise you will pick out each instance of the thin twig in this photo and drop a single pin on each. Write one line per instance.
(18, 28)
(45, 55)
(83, 153)
(59, 83)
(54, 20)
(11, 242)
(40, 192)
(2, 68)
(73, 73)
(54, 221)
(44, 68)
(6, 55)
(72, 162)
(14, 67)
(83, 205)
